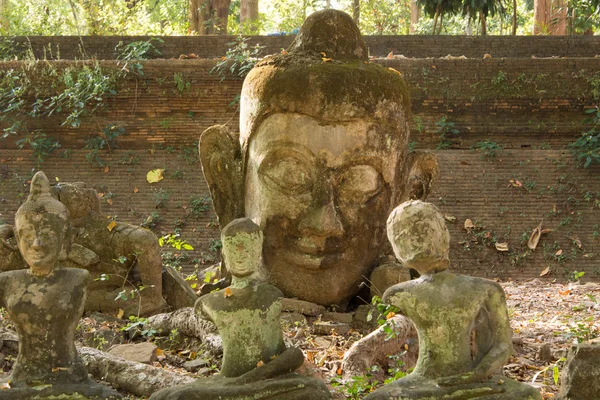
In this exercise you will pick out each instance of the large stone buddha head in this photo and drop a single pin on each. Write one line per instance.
(321, 160)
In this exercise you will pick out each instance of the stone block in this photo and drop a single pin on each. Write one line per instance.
(327, 327)
(302, 307)
(144, 353)
(580, 377)
(176, 290)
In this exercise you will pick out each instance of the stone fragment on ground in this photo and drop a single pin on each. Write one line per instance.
(330, 327)
(144, 353)
(194, 365)
(580, 377)
(176, 291)
(302, 307)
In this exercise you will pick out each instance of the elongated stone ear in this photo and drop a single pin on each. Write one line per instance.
(423, 171)
(221, 160)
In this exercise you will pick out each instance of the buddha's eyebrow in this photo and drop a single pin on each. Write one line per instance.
(288, 148)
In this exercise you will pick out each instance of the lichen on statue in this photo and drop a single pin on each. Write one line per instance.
(321, 160)
(45, 302)
(256, 363)
(462, 322)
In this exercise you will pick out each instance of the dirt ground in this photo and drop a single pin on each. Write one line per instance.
(546, 314)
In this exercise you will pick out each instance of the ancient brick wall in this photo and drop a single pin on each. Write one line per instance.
(421, 46)
(532, 108)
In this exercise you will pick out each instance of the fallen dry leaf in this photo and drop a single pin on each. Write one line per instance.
(155, 175)
(260, 363)
(106, 169)
(395, 71)
(120, 313)
(135, 190)
(534, 239)
(109, 202)
(110, 227)
(469, 225)
(227, 292)
(449, 218)
(545, 271)
(501, 246)
(558, 253)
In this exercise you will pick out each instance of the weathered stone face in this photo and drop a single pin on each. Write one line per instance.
(40, 240)
(321, 193)
(242, 253)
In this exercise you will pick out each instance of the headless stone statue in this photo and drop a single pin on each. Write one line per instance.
(462, 322)
(45, 303)
(256, 364)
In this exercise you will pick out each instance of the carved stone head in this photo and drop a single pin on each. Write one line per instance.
(321, 160)
(242, 247)
(419, 236)
(41, 228)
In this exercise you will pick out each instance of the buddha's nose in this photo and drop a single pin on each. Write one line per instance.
(37, 242)
(323, 221)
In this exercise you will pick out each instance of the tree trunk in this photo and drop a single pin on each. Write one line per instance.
(549, 17)
(415, 15)
(435, 18)
(441, 23)
(220, 14)
(514, 18)
(483, 25)
(136, 378)
(248, 11)
(356, 11)
(4, 25)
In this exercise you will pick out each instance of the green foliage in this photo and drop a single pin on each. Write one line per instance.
(384, 313)
(136, 323)
(161, 197)
(198, 206)
(215, 245)
(444, 128)
(134, 51)
(586, 149)
(238, 60)
(107, 140)
(180, 83)
(174, 241)
(489, 148)
(357, 387)
(41, 145)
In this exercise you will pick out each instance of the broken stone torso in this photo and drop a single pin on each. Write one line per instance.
(248, 322)
(46, 311)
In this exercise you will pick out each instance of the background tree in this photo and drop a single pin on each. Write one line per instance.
(481, 9)
(436, 9)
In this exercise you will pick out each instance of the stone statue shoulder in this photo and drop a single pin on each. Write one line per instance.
(260, 296)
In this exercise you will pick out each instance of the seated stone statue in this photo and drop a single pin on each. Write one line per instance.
(256, 364)
(45, 303)
(462, 322)
(98, 250)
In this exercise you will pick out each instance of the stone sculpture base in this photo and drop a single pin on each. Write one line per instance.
(67, 391)
(417, 388)
(287, 387)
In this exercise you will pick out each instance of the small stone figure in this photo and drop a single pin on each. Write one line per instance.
(462, 322)
(123, 256)
(45, 302)
(256, 363)
(321, 160)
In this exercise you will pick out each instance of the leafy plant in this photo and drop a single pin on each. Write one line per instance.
(444, 128)
(358, 386)
(384, 313)
(161, 197)
(41, 145)
(107, 139)
(180, 82)
(586, 149)
(141, 324)
(138, 50)
(238, 60)
(489, 148)
(174, 241)
(198, 206)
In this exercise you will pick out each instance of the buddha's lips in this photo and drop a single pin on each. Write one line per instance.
(308, 255)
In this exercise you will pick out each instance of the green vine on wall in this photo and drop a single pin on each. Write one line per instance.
(36, 89)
